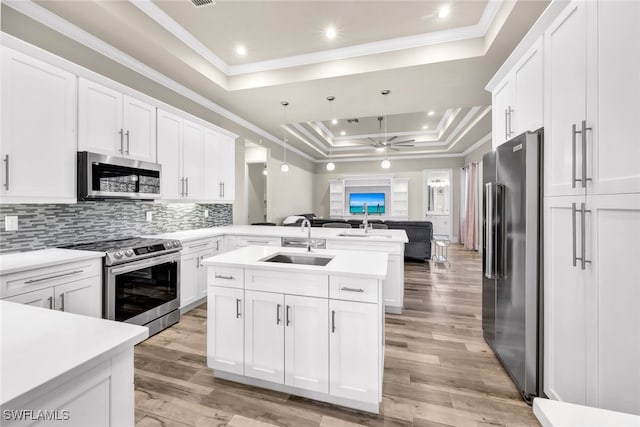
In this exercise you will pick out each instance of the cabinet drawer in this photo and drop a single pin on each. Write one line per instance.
(199, 245)
(312, 285)
(40, 278)
(392, 248)
(242, 241)
(353, 289)
(225, 276)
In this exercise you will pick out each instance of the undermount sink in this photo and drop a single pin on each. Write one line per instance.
(299, 259)
(345, 234)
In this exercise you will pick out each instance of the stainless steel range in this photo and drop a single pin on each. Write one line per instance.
(141, 281)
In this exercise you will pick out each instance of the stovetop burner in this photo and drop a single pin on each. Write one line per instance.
(126, 250)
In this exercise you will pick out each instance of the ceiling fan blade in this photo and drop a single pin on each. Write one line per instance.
(394, 149)
(403, 142)
(373, 140)
(391, 139)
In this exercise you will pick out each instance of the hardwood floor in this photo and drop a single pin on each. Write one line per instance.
(438, 369)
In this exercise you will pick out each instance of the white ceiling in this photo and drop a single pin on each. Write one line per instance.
(428, 63)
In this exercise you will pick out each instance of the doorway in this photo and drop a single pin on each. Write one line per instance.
(255, 183)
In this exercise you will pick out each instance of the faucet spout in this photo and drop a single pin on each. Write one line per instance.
(365, 221)
(307, 223)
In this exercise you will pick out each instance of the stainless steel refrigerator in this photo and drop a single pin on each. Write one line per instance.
(512, 259)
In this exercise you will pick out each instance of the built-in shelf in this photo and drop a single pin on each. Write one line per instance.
(396, 189)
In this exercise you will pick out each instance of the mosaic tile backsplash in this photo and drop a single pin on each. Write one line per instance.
(45, 226)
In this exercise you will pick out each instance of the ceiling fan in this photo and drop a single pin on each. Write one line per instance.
(384, 142)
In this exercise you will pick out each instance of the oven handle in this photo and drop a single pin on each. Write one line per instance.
(147, 262)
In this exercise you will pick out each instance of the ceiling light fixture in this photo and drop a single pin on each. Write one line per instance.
(443, 12)
(425, 127)
(334, 121)
(386, 164)
(264, 171)
(330, 166)
(431, 113)
(343, 133)
(330, 33)
(241, 50)
(379, 149)
(284, 167)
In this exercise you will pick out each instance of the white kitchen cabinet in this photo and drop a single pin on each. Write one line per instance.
(242, 241)
(264, 336)
(210, 251)
(225, 331)
(306, 358)
(193, 275)
(80, 297)
(38, 145)
(40, 298)
(219, 167)
(518, 101)
(170, 155)
(192, 140)
(115, 124)
(336, 199)
(353, 332)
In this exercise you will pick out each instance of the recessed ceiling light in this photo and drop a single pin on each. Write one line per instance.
(330, 33)
(334, 121)
(343, 133)
(443, 12)
(431, 113)
(241, 50)
(425, 127)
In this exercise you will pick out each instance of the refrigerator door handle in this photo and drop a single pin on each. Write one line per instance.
(488, 231)
(500, 231)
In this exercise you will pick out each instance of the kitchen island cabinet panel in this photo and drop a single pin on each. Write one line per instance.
(225, 331)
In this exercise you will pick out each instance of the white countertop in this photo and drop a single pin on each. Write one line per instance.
(20, 261)
(377, 235)
(552, 413)
(39, 345)
(344, 263)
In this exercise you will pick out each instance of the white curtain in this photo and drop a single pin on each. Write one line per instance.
(469, 207)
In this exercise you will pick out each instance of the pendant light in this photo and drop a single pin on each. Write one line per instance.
(284, 167)
(386, 164)
(330, 166)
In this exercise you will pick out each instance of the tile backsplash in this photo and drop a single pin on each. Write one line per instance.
(51, 225)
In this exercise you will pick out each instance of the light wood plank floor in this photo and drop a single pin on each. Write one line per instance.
(438, 369)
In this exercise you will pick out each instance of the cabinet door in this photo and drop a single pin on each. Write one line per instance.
(38, 146)
(615, 282)
(565, 64)
(225, 329)
(211, 187)
(528, 90)
(100, 127)
(307, 343)
(615, 104)
(226, 166)
(80, 297)
(139, 123)
(502, 105)
(353, 366)
(170, 155)
(202, 271)
(40, 298)
(264, 336)
(192, 135)
(394, 284)
(189, 278)
(565, 303)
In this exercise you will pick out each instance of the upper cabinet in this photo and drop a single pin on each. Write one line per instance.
(197, 162)
(38, 146)
(517, 100)
(112, 123)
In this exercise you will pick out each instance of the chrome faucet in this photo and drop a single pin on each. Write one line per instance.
(365, 221)
(307, 223)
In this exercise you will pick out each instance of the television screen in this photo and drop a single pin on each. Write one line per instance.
(374, 201)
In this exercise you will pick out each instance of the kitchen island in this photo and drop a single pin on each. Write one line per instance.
(305, 323)
(69, 369)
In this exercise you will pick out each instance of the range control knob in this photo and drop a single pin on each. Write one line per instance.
(117, 255)
(128, 252)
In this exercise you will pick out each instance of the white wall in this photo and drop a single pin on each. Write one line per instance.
(288, 193)
(256, 186)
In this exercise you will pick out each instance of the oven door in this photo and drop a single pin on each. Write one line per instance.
(142, 291)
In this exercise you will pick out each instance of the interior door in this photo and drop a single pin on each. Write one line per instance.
(264, 336)
(307, 343)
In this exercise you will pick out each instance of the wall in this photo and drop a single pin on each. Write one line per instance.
(256, 186)
(476, 155)
(288, 193)
(411, 169)
(51, 225)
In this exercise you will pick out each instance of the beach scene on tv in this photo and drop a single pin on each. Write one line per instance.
(374, 201)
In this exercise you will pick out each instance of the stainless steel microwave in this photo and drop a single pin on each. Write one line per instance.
(109, 177)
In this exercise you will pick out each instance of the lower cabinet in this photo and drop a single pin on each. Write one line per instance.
(354, 333)
(225, 329)
(193, 274)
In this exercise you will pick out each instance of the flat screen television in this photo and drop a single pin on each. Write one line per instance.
(374, 201)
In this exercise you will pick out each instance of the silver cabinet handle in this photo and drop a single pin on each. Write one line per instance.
(238, 308)
(287, 315)
(217, 245)
(574, 211)
(222, 188)
(182, 186)
(584, 155)
(42, 279)
(198, 246)
(506, 123)
(186, 190)
(50, 303)
(121, 132)
(573, 166)
(278, 314)
(344, 288)
(488, 231)
(583, 235)
(333, 321)
(509, 111)
(220, 276)
(62, 301)
(6, 171)
(258, 242)
(127, 134)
